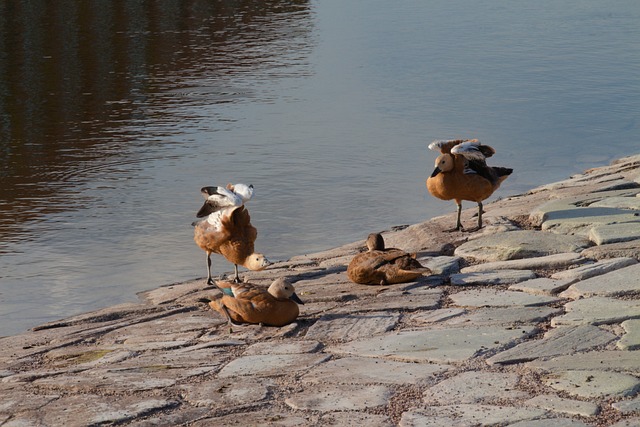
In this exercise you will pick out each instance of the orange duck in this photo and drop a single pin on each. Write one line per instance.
(461, 173)
(384, 266)
(249, 303)
(227, 231)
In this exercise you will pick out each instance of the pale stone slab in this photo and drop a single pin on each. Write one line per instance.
(366, 370)
(615, 283)
(591, 383)
(283, 347)
(542, 286)
(472, 414)
(550, 422)
(520, 244)
(351, 418)
(347, 327)
(598, 311)
(343, 398)
(614, 233)
(415, 418)
(631, 339)
(444, 265)
(83, 410)
(500, 277)
(556, 342)
(475, 387)
(587, 218)
(554, 403)
(411, 299)
(264, 418)
(627, 422)
(270, 364)
(627, 406)
(505, 316)
(613, 360)
(440, 346)
(437, 316)
(594, 269)
(629, 249)
(549, 261)
(499, 298)
(227, 393)
(619, 202)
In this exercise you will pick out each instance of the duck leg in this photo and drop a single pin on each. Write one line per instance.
(479, 219)
(458, 226)
(236, 279)
(209, 278)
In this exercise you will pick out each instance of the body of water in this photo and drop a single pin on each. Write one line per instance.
(114, 114)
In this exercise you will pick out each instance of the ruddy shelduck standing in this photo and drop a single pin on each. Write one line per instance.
(249, 303)
(461, 173)
(384, 266)
(226, 228)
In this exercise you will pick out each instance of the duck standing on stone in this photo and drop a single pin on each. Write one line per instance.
(249, 303)
(461, 173)
(380, 266)
(225, 228)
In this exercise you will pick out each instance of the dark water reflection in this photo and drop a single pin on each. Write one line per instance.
(114, 114)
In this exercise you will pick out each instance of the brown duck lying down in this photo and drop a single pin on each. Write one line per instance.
(380, 266)
(249, 303)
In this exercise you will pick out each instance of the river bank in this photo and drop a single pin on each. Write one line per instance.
(534, 317)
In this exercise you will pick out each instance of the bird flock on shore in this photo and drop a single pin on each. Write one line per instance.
(224, 227)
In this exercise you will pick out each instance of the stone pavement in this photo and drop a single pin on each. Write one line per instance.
(532, 321)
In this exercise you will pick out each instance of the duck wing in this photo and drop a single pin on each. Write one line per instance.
(218, 198)
(446, 145)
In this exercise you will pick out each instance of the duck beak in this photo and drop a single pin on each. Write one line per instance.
(435, 172)
(295, 298)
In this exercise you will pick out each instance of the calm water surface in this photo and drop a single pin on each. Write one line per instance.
(114, 114)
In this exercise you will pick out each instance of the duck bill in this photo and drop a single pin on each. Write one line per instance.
(435, 172)
(295, 298)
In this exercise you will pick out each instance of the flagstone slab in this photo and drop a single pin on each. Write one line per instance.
(629, 249)
(227, 393)
(598, 311)
(499, 277)
(619, 202)
(556, 342)
(549, 262)
(604, 360)
(499, 298)
(582, 220)
(424, 298)
(554, 403)
(443, 265)
(628, 406)
(351, 418)
(415, 418)
(593, 384)
(475, 387)
(542, 286)
(631, 339)
(13, 401)
(283, 347)
(83, 410)
(520, 244)
(327, 398)
(437, 316)
(473, 414)
(594, 269)
(347, 327)
(506, 316)
(621, 281)
(627, 422)
(615, 233)
(261, 418)
(550, 422)
(367, 370)
(266, 365)
(450, 345)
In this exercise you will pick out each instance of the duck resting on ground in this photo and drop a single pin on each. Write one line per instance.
(225, 228)
(384, 266)
(461, 173)
(249, 303)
